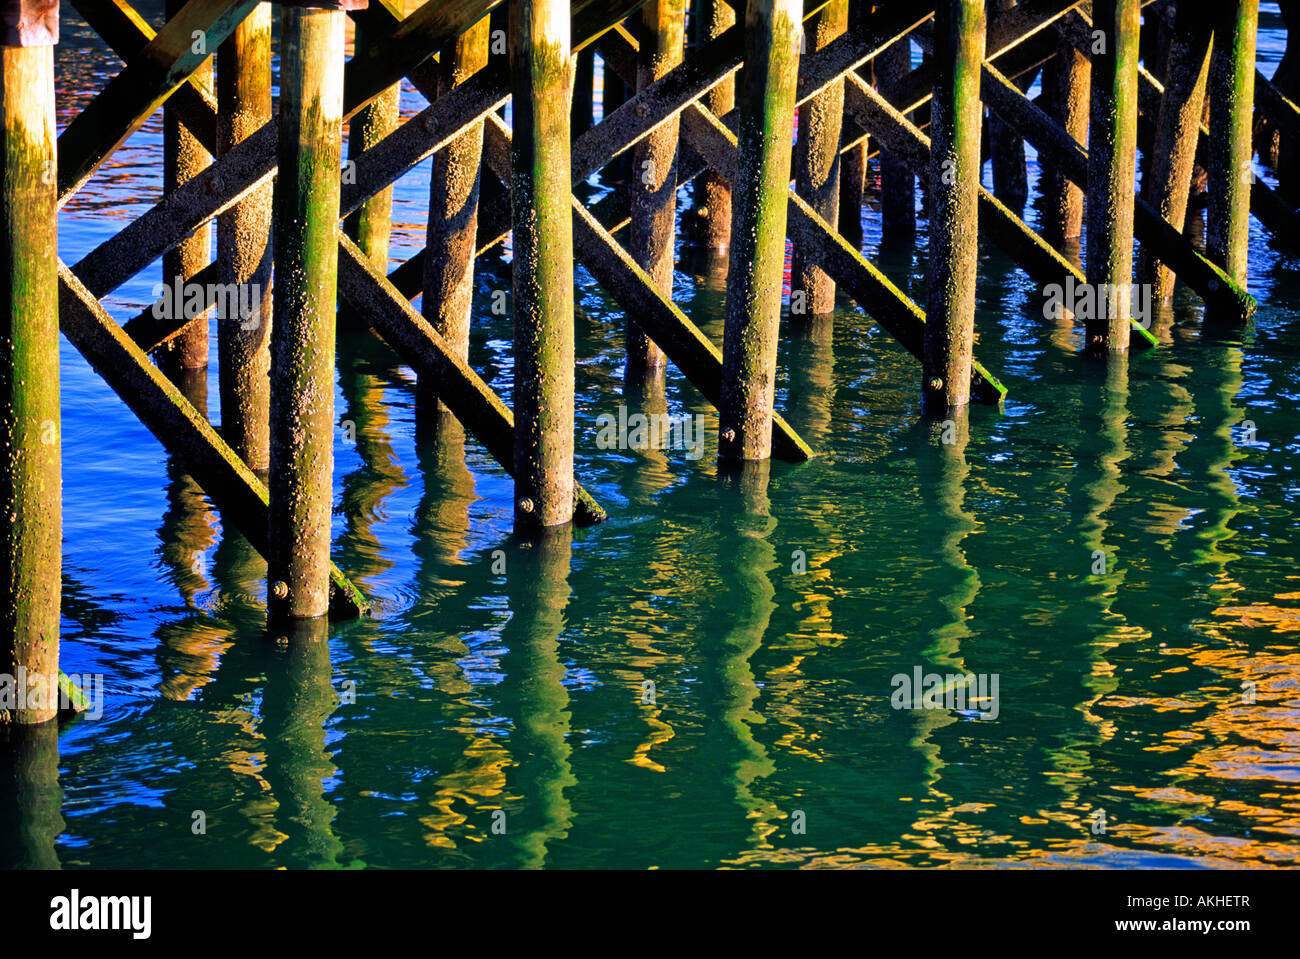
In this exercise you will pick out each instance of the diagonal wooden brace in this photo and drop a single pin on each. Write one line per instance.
(179, 427)
(890, 307)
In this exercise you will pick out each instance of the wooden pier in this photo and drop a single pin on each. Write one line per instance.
(777, 115)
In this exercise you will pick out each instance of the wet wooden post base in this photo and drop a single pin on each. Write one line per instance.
(817, 162)
(302, 336)
(1112, 171)
(244, 247)
(542, 269)
(184, 157)
(714, 193)
(452, 229)
(766, 89)
(653, 190)
(30, 500)
(1173, 155)
(956, 120)
(1228, 159)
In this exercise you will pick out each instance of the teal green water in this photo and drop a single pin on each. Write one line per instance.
(495, 712)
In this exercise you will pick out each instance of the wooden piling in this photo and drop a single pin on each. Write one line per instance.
(30, 498)
(542, 268)
(1231, 148)
(244, 247)
(1006, 148)
(184, 156)
(371, 225)
(956, 121)
(897, 184)
(584, 91)
(1066, 81)
(1112, 169)
(817, 160)
(714, 195)
(302, 336)
(1173, 155)
(654, 178)
(766, 89)
(452, 229)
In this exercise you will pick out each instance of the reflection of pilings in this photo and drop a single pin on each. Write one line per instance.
(30, 439)
(31, 798)
(364, 419)
(244, 246)
(296, 703)
(812, 378)
(538, 588)
(183, 158)
(1100, 495)
(944, 471)
(751, 605)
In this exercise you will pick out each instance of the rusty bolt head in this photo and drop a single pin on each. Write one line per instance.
(641, 110)
(729, 435)
(526, 505)
(431, 123)
(280, 589)
(936, 383)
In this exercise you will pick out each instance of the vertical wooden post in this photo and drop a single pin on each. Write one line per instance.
(371, 224)
(654, 178)
(302, 336)
(956, 118)
(183, 158)
(1066, 81)
(244, 247)
(714, 197)
(1006, 148)
(854, 167)
(1178, 128)
(584, 91)
(1112, 169)
(817, 160)
(453, 215)
(766, 88)
(542, 269)
(1231, 147)
(30, 500)
(897, 184)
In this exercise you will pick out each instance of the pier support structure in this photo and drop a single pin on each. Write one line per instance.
(30, 498)
(1231, 146)
(541, 208)
(714, 193)
(244, 247)
(956, 120)
(766, 86)
(302, 337)
(1112, 172)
